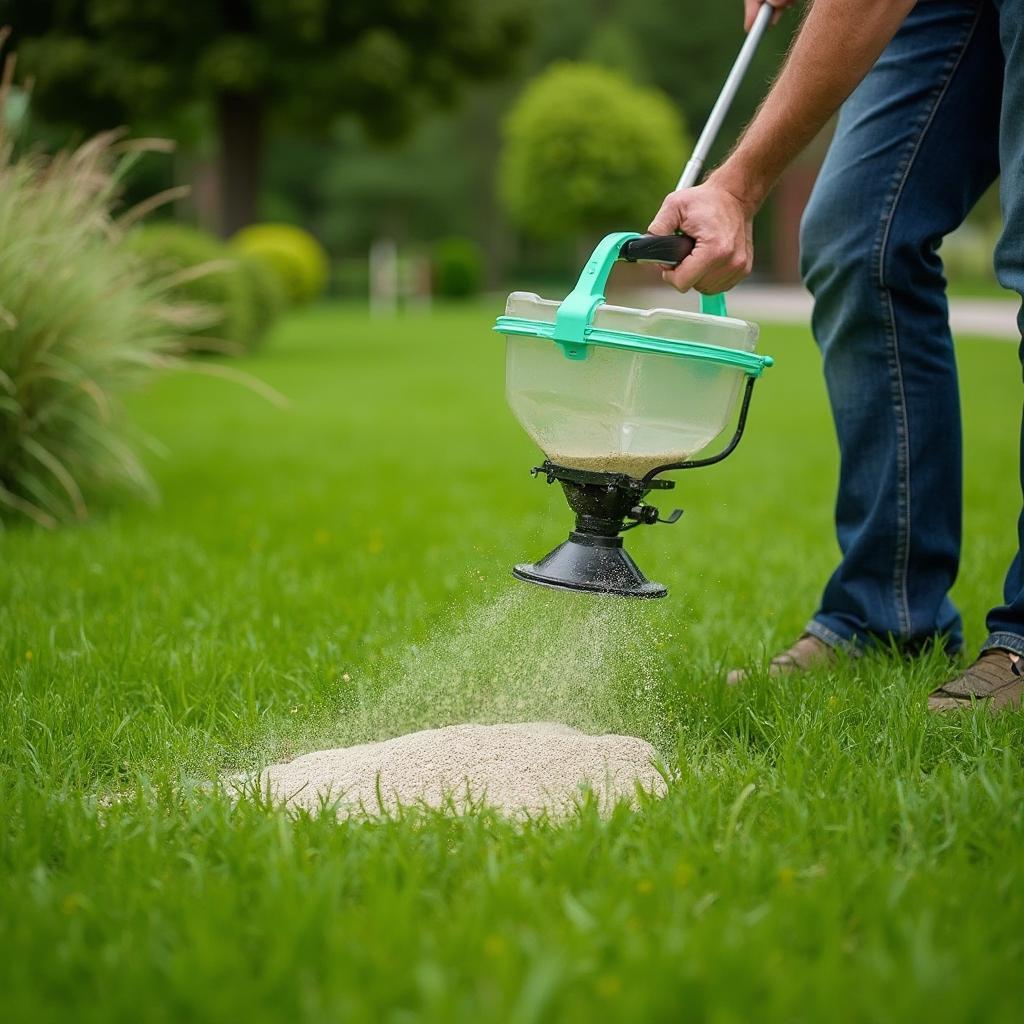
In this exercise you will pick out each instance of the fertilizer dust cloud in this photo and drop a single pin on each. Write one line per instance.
(527, 655)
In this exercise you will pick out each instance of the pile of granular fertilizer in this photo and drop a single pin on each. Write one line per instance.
(516, 769)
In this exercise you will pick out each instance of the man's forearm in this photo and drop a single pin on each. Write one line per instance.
(837, 45)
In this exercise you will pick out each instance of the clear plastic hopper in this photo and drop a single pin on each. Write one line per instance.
(623, 410)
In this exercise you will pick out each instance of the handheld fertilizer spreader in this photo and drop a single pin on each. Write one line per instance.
(615, 397)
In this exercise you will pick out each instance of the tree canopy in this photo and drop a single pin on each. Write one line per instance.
(255, 63)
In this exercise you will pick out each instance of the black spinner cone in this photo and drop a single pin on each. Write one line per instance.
(594, 564)
(593, 559)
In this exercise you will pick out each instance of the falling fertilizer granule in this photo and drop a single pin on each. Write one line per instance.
(516, 769)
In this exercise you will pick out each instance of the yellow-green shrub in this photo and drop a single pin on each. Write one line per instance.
(297, 258)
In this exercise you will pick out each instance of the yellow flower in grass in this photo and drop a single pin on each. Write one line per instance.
(683, 873)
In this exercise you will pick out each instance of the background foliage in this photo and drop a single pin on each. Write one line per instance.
(456, 268)
(380, 147)
(359, 135)
(249, 65)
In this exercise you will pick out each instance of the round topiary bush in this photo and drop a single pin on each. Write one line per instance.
(588, 151)
(197, 269)
(297, 258)
(457, 266)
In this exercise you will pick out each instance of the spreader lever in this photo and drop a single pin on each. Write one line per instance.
(647, 515)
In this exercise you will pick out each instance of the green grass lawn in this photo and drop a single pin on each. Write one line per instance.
(826, 851)
(979, 288)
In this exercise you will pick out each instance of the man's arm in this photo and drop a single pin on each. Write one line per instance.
(835, 48)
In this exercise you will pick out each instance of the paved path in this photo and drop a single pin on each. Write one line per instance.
(992, 318)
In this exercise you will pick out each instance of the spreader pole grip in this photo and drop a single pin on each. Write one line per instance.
(666, 249)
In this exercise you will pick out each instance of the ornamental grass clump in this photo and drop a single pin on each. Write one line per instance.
(78, 327)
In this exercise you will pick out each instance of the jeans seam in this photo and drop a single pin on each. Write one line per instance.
(901, 561)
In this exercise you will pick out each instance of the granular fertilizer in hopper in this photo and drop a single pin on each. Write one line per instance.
(517, 769)
(634, 464)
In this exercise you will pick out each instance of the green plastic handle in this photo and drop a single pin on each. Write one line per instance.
(713, 305)
(577, 309)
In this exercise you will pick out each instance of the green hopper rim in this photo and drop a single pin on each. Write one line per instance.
(750, 363)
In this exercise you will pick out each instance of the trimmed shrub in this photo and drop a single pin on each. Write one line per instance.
(197, 270)
(78, 326)
(587, 151)
(457, 267)
(297, 258)
(265, 295)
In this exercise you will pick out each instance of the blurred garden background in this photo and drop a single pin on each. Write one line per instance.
(227, 163)
(256, 468)
(366, 122)
(390, 124)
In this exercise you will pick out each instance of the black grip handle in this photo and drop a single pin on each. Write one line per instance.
(669, 249)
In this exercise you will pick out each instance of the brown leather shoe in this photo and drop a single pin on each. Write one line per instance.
(995, 679)
(806, 654)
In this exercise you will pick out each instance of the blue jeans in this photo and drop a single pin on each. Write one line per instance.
(917, 143)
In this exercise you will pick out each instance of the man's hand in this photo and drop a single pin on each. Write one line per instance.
(720, 225)
(751, 7)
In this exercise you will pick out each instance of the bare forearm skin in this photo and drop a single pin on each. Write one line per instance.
(837, 45)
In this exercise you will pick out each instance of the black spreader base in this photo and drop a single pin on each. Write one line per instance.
(592, 564)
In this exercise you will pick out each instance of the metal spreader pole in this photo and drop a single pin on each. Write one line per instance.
(695, 165)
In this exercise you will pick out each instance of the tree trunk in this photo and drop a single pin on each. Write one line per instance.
(200, 171)
(240, 129)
